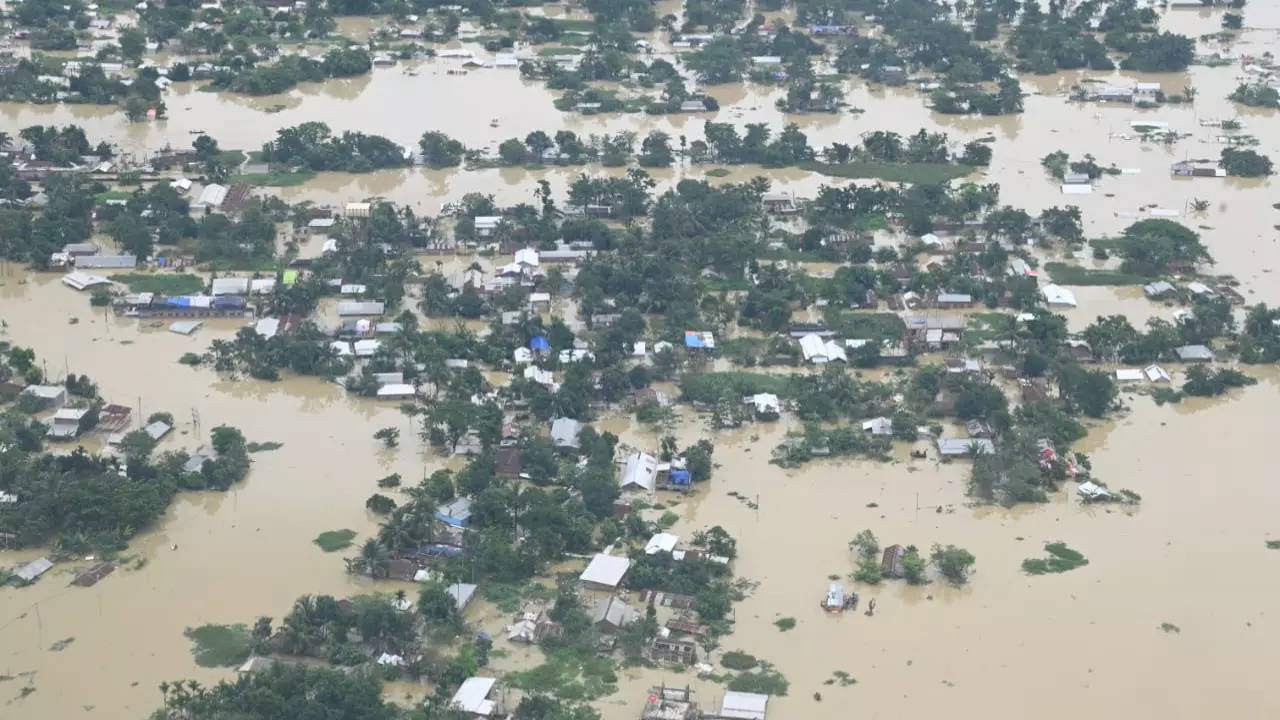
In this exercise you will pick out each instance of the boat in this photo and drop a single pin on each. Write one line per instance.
(834, 601)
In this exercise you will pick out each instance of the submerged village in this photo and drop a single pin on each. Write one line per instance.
(638, 359)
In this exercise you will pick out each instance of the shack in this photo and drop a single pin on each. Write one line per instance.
(1194, 354)
(52, 396)
(456, 512)
(28, 572)
(67, 423)
(565, 433)
(960, 447)
(639, 472)
(360, 308)
(891, 561)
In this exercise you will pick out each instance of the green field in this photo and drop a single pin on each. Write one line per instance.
(163, 283)
(1064, 274)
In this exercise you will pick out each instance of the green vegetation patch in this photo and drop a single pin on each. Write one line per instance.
(710, 387)
(1061, 559)
(162, 283)
(268, 446)
(918, 173)
(785, 624)
(568, 675)
(1273, 544)
(1065, 274)
(335, 540)
(738, 660)
(219, 645)
(717, 172)
(766, 681)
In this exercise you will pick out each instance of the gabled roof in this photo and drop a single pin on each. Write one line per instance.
(640, 471)
(607, 570)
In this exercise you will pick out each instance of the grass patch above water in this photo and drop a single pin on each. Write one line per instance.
(718, 172)
(163, 283)
(334, 540)
(219, 645)
(1273, 544)
(254, 447)
(738, 660)
(554, 51)
(785, 624)
(766, 681)
(1065, 274)
(917, 173)
(568, 676)
(1061, 559)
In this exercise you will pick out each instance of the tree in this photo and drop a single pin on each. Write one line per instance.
(131, 234)
(953, 562)
(512, 152)
(1245, 163)
(913, 566)
(389, 436)
(373, 560)
(1090, 390)
(865, 544)
(133, 43)
(440, 150)
(719, 61)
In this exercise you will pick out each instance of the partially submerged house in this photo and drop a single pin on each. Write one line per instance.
(456, 512)
(604, 572)
(1056, 296)
(476, 697)
(52, 396)
(611, 614)
(639, 472)
(67, 423)
(961, 447)
(891, 561)
(1194, 354)
(565, 433)
(819, 351)
(744, 706)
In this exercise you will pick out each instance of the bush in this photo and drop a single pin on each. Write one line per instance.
(1061, 559)
(785, 624)
(380, 504)
(189, 359)
(953, 562)
(738, 660)
(334, 540)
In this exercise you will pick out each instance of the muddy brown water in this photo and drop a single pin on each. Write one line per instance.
(1087, 641)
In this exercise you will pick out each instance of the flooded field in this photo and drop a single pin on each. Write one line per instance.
(1058, 646)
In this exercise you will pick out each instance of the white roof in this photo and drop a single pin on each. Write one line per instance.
(461, 594)
(538, 375)
(1076, 189)
(879, 426)
(353, 289)
(1155, 373)
(640, 471)
(606, 570)
(366, 348)
(1158, 287)
(662, 542)
(395, 390)
(1058, 295)
(473, 695)
(486, 222)
(522, 355)
(1128, 374)
(182, 184)
(814, 349)
(931, 239)
(1194, 352)
(185, 327)
(262, 286)
(213, 195)
(765, 402)
(540, 297)
(322, 222)
(343, 348)
(81, 280)
(1199, 288)
(1090, 490)
(267, 327)
(360, 308)
(744, 705)
(960, 446)
(526, 256)
(230, 286)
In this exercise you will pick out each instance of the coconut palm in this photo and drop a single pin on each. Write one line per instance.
(374, 559)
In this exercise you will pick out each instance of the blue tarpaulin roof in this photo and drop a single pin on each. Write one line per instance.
(539, 343)
(692, 339)
(680, 477)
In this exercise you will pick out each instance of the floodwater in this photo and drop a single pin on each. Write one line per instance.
(1085, 642)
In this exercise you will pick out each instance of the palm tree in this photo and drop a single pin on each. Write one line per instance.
(374, 559)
